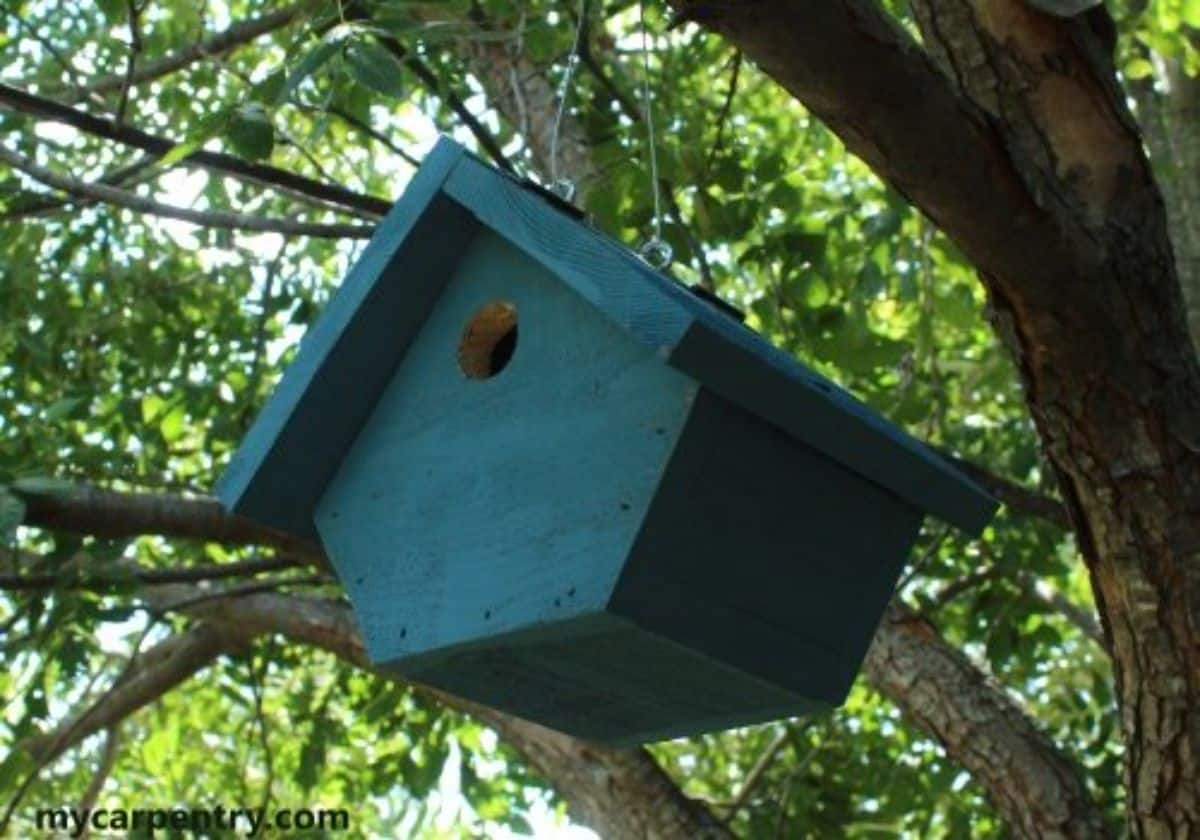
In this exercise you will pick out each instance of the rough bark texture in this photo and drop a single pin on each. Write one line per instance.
(1050, 196)
(1037, 790)
(113, 514)
(1171, 119)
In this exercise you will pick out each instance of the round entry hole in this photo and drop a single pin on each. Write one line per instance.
(488, 340)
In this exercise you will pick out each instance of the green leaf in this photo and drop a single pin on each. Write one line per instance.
(63, 408)
(251, 133)
(152, 404)
(375, 67)
(12, 514)
(882, 225)
(1140, 68)
(172, 425)
(207, 128)
(309, 65)
(270, 90)
(1191, 13)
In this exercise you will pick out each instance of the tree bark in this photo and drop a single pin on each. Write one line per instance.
(1051, 197)
(1038, 790)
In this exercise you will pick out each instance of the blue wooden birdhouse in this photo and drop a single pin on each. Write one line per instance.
(561, 484)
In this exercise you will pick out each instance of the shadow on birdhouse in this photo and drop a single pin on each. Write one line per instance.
(556, 482)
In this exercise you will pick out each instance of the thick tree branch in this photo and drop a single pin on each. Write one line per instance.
(105, 581)
(620, 793)
(1037, 790)
(259, 173)
(1034, 785)
(152, 675)
(219, 219)
(115, 514)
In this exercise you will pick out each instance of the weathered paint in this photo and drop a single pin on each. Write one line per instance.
(484, 505)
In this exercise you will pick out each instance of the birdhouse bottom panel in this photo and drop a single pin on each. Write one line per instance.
(605, 679)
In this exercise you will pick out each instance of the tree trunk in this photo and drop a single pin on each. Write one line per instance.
(1048, 192)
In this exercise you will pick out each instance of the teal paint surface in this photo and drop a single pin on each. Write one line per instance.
(651, 523)
(484, 505)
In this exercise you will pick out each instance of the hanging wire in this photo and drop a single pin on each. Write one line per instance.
(564, 188)
(656, 251)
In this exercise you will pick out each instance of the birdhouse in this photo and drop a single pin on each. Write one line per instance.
(557, 482)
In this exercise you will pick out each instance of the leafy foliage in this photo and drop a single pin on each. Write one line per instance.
(135, 351)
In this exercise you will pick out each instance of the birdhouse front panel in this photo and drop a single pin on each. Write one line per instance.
(503, 474)
(557, 482)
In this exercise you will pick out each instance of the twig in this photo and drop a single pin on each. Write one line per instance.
(222, 42)
(963, 584)
(114, 514)
(1015, 497)
(756, 773)
(240, 592)
(135, 47)
(926, 556)
(108, 758)
(256, 680)
(260, 173)
(40, 206)
(191, 574)
(423, 72)
(109, 709)
(223, 220)
(374, 134)
(723, 116)
(1055, 602)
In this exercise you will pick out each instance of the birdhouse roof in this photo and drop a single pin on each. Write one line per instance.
(349, 354)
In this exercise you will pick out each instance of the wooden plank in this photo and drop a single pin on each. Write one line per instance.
(715, 349)
(470, 507)
(764, 553)
(348, 355)
(605, 679)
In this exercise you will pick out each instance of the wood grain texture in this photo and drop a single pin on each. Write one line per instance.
(515, 498)
(718, 351)
(818, 550)
(347, 356)
(344, 362)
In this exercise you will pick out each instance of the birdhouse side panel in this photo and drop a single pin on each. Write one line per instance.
(488, 494)
(347, 356)
(789, 557)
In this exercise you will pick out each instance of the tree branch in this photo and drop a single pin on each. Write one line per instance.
(619, 793)
(1036, 788)
(1014, 496)
(259, 173)
(115, 514)
(190, 574)
(212, 219)
(235, 36)
(155, 673)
